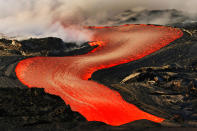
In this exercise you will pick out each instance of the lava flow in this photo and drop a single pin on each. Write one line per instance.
(67, 77)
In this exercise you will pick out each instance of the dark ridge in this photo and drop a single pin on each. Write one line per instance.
(50, 46)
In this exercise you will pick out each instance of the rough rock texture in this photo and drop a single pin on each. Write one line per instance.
(34, 108)
(163, 83)
(50, 46)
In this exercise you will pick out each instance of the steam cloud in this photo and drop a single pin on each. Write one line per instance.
(66, 18)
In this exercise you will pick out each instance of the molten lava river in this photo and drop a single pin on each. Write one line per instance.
(68, 76)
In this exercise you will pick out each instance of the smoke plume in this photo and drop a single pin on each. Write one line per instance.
(66, 18)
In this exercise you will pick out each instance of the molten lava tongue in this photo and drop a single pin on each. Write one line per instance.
(67, 76)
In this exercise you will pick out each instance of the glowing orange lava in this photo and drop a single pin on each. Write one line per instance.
(67, 77)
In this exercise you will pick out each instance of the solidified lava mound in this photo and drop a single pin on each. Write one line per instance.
(156, 84)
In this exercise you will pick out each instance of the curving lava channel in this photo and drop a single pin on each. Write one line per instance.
(67, 77)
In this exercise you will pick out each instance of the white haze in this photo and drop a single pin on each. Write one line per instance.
(66, 18)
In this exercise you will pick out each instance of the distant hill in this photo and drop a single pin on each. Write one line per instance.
(160, 17)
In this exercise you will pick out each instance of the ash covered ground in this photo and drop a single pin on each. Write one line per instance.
(163, 83)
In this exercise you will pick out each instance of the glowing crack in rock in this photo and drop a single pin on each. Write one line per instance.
(68, 76)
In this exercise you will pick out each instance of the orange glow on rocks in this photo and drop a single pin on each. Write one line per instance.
(67, 77)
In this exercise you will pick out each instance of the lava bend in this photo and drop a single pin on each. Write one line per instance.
(67, 77)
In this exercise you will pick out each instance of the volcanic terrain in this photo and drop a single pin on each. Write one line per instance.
(163, 84)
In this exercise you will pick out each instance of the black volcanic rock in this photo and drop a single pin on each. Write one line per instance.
(166, 91)
(35, 45)
(50, 46)
(34, 108)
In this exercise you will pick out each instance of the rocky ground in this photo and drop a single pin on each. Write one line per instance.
(163, 83)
